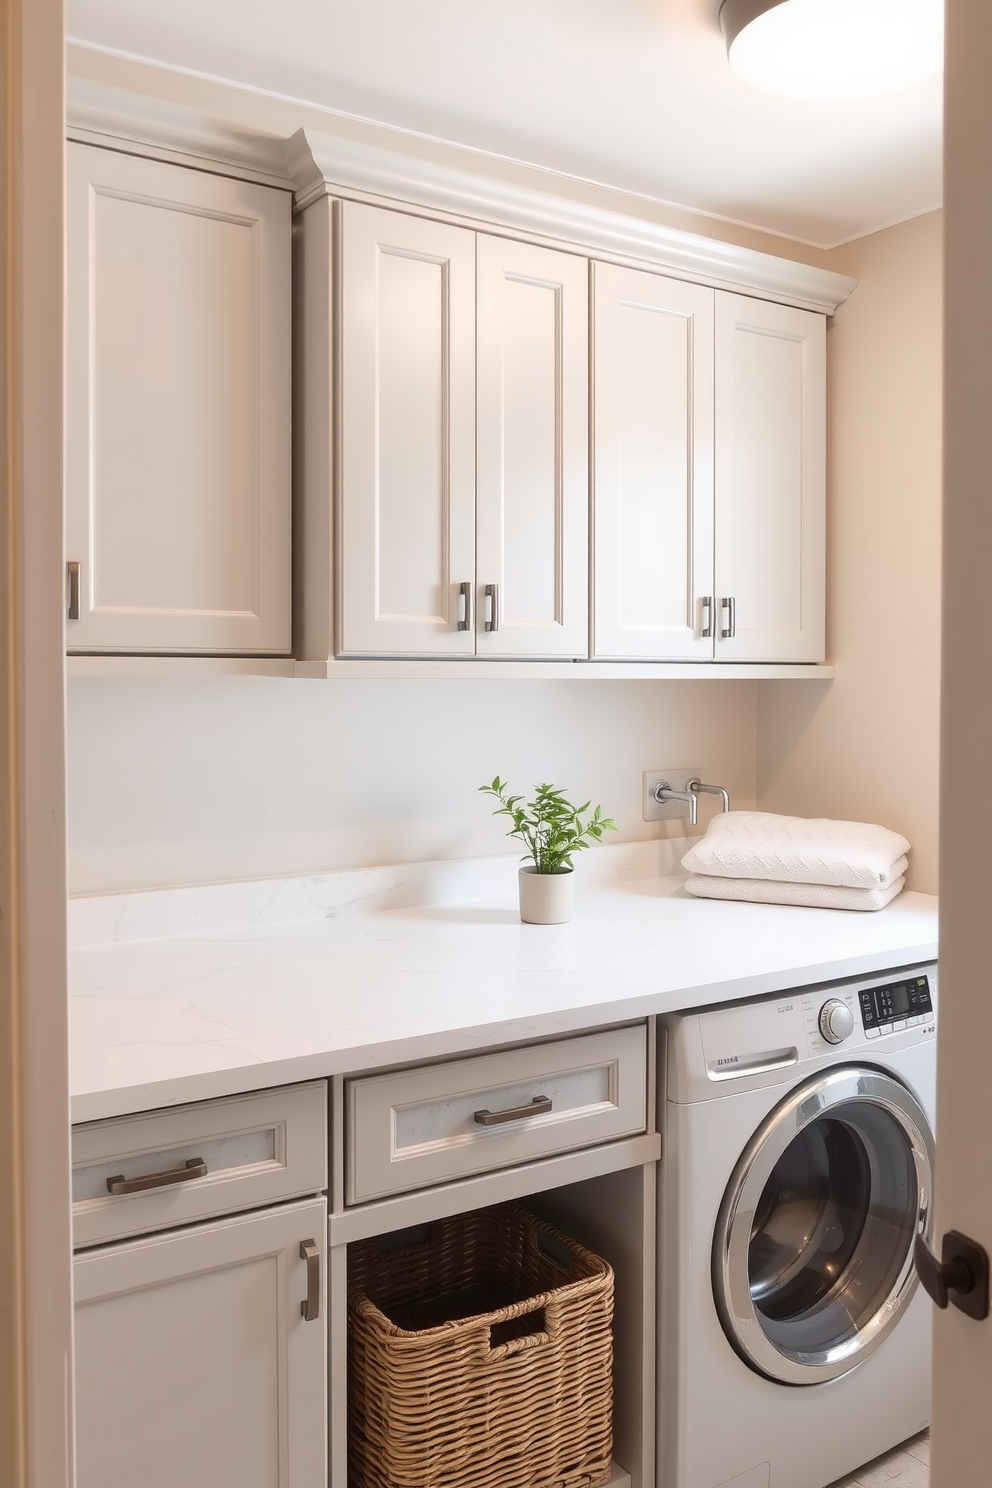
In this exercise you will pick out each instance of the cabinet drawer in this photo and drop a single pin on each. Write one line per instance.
(240, 1153)
(417, 1127)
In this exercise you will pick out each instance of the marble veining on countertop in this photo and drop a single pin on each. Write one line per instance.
(187, 994)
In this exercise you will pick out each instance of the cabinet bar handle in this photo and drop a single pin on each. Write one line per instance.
(537, 1107)
(492, 619)
(72, 590)
(193, 1167)
(707, 607)
(311, 1307)
(729, 606)
(466, 593)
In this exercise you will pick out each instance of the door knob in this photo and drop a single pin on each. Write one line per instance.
(960, 1276)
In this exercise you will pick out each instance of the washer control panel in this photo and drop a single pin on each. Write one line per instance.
(895, 1006)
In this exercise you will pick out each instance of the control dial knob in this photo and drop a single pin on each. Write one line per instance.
(836, 1021)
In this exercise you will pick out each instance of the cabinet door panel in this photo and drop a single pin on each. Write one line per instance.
(532, 483)
(407, 512)
(178, 488)
(194, 1365)
(653, 464)
(770, 481)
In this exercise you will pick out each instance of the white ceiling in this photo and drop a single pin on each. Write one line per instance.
(636, 94)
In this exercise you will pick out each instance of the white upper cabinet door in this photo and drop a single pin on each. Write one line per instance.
(194, 1362)
(532, 496)
(178, 481)
(407, 432)
(770, 481)
(653, 466)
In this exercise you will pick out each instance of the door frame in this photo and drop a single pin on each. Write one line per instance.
(35, 1240)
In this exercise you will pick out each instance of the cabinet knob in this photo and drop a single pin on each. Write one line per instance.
(707, 607)
(492, 595)
(729, 607)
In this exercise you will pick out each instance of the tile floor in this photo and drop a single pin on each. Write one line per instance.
(907, 1466)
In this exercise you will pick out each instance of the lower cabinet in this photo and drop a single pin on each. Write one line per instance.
(201, 1356)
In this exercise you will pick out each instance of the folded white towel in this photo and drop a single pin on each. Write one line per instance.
(794, 849)
(807, 896)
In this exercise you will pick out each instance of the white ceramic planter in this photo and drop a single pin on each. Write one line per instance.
(546, 898)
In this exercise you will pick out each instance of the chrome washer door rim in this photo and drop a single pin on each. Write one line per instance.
(826, 1095)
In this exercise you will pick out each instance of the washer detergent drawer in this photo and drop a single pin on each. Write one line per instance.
(133, 1174)
(418, 1127)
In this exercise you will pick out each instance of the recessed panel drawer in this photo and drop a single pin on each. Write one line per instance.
(151, 1172)
(418, 1127)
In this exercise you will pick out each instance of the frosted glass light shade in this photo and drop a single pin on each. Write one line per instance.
(834, 49)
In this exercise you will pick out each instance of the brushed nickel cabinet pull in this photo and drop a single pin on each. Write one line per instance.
(193, 1167)
(492, 619)
(537, 1107)
(72, 590)
(466, 593)
(729, 606)
(707, 607)
(311, 1307)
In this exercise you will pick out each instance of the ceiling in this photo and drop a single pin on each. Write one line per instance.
(635, 94)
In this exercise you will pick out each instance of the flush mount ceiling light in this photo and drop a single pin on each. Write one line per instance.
(834, 49)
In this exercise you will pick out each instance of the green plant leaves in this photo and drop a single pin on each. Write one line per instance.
(550, 827)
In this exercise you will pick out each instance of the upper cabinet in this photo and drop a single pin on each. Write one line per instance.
(709, 466)
(460, 458)
(407, 434)
(532, 478)
(490, 426)
(770, 481)
(653, 466)
(178, 440)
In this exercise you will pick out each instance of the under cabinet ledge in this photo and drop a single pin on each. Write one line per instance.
(180, 666)
(397, 668)
(389, 669)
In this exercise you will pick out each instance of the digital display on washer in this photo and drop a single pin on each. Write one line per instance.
(882, 1006)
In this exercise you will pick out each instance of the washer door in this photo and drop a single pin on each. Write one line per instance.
(813, 1252)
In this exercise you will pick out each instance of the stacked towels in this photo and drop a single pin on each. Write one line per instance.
(791, 860)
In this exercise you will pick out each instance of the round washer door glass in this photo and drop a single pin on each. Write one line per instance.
(813, 1254)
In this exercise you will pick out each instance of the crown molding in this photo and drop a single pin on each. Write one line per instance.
(314, 164)
(328, 165)
(99, 114)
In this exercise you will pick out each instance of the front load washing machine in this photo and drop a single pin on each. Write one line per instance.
(797, 1170)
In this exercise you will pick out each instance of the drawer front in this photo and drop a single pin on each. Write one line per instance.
(423, 1126)
(151, 1172)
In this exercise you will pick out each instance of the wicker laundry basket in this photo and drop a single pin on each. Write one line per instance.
(480, 1356)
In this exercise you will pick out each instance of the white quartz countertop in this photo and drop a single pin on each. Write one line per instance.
(191, 994)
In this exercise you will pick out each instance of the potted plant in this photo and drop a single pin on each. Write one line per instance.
(552, 829)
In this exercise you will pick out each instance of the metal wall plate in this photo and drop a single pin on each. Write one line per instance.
(677, 777)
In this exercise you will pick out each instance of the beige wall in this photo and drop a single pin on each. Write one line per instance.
(865, 747)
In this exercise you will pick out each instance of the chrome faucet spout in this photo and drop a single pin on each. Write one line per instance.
(696, 786)
(666, 793)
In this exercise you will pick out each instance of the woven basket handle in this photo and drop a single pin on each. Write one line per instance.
(546, 1312)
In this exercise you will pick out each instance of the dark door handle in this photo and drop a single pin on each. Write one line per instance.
(960, 1276)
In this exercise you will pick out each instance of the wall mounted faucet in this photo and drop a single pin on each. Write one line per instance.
(666, 792)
